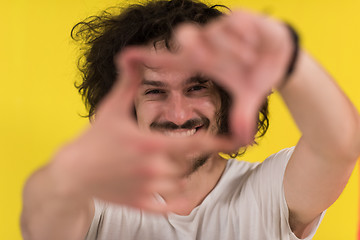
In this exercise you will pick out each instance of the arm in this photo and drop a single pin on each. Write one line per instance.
(51, 212)
(328, 149)
(112, 160)
(248, 55)
(103, 162)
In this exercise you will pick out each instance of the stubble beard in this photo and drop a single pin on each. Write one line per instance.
(198, 162)
(201, 159)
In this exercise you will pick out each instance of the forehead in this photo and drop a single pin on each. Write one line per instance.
(160, 76)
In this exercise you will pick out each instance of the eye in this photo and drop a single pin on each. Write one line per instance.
(196, 88)
(154, 91)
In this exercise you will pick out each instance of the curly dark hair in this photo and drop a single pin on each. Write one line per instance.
(105, 35)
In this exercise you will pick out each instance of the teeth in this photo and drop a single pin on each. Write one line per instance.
(180, 134)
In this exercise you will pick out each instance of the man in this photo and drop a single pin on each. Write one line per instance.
(182, 94)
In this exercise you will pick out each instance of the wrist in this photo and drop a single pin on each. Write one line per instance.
(300, 76)
(294, 57)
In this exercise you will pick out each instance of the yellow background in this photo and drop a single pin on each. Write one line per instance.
(39, 107)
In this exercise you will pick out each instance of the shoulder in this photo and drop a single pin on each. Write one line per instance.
(242, 176)
(271, 171)
(261, 179)
(275, 162)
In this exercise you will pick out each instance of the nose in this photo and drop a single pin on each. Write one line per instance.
(178, 109)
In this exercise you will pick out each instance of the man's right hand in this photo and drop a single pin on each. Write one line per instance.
(112, 160)
(115, 161)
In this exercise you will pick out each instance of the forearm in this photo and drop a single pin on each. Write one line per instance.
(51, 213)
(328, 121)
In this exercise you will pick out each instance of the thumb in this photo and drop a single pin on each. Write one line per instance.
(129, 66)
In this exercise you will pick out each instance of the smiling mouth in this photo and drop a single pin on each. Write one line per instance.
(182, 132)
(187, 129)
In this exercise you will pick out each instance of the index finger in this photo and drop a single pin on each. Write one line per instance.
(129, 66)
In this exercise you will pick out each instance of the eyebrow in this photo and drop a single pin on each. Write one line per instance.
(153, 83)
(194, 79)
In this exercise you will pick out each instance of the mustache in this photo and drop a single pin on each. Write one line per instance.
(189, 124)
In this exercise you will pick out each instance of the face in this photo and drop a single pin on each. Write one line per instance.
(178, 104)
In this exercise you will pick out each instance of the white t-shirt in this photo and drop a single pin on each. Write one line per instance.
(248, 203)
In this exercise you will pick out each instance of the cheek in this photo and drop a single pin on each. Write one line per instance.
(214, 106)
(146, 113)
(208, 108)
(211, 104)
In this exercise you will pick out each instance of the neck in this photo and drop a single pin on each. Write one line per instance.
(197, 186)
